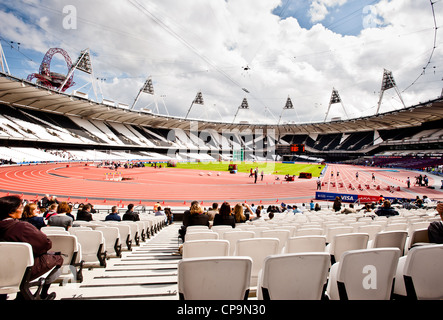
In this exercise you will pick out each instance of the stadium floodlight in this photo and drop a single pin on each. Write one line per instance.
(335, 98)
(288, 106)
(388, 82)
(244, 105)
(83, 64)
(197, 100)
(147, 87)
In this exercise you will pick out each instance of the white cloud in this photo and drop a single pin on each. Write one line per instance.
(200, 45)
(319, 8)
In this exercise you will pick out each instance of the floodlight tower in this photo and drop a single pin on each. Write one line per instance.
(198, 100)
(335, 98)
(288, 106)
(388, 83)
(84, 64)
(244, 105)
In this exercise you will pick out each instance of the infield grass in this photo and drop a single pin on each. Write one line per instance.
(267, 167)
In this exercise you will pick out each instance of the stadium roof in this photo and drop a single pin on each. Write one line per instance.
(23, 94)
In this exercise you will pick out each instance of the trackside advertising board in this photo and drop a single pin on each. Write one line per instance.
(329, 196)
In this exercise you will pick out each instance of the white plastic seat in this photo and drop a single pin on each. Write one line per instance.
(125, 235)
(258, 231)
(418, 274)
(135, 231)
(365, 274)
(282, 235)
(92, 246)
(221, 229)
(69, 247)
(300, 276)
(112, 240)
(370, 229)
(332, 232)
(390, 239)
(345, 242)
(197, 228)
(214, 278)
(309, 232)
(205, 248)
(258, 249)
(418, 236)
(233, 236)
(306, 244)
(291, 229)
(396, 227)
(53, 230)
(204, 235)
(15, 263)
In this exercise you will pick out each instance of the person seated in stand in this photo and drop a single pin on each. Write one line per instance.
(52, 209)
(14, 230)
(85, 213)
(160, 212)
(213, 211)
(113, 216)
(435, 228)
(386, 210)
(197, 216)
(61, 219)
(130, 214)
(224, 216)
(30, 214)
(349, 210)
(169, 216)
(239, 214)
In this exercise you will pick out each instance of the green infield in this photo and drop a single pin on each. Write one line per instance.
(267, 167)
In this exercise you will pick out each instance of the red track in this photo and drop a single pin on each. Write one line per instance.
(176, 187)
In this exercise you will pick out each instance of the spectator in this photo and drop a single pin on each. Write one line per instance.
(257, 215)
(61, 219)
(30, 214)
(349, 210)
(213, 211)
(311, 205)
(113, 216)
(224, 217)
(186, 215)
(52, 209)
(160, 212)
(169, 216)
(386, 210)
(14, 230)
(130, 214)
(44, 202)
(85, 213)
(238, 213)
(337, 204)
(317, 207)
(435, 229)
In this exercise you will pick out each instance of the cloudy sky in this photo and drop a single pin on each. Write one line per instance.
(261, 50)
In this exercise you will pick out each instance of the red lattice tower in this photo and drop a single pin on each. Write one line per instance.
(50, 79)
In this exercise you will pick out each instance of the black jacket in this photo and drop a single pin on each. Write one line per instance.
(435, 232)
(224, 220)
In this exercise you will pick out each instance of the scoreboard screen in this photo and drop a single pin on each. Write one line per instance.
(297, 148)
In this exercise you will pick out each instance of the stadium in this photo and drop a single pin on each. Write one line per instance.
(56, 140)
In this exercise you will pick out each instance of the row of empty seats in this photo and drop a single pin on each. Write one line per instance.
(85, 245)
(311, 256)
(310, 274)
